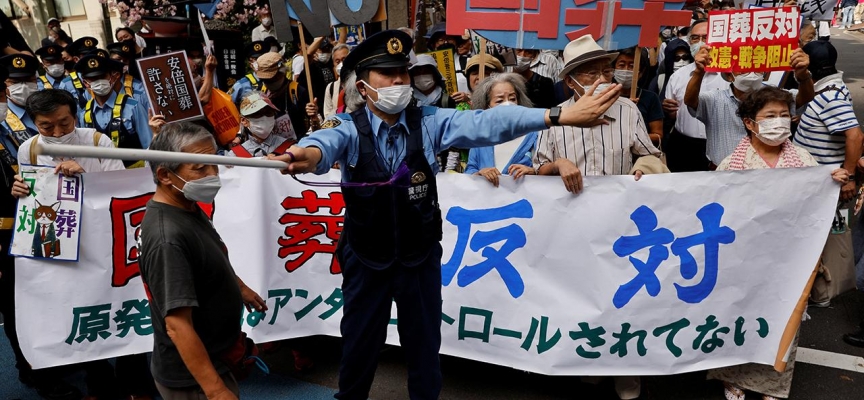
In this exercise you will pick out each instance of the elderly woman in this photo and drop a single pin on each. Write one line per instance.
(514, 156)
(767, 118)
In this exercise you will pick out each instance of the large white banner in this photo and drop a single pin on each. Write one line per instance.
(674, 273)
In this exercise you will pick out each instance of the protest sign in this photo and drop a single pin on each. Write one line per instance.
(447, 68)
(551, 24)
(533, 277)
(754, 40)
(47, 220)
(319, 16)
(169, 85)
(817, 10)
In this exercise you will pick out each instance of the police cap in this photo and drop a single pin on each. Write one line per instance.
(386, 49)
(82, 46)
(93, 65)
(257, 49)
(125, 49)
(19, 65)
(52, 52)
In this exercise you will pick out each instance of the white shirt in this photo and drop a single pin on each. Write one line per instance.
(297, 65)
(331, 98)
(685, 123)
(261, 33)
(84, 137)
(504, 152)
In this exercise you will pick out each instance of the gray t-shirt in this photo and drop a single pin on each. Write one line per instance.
(184, 263)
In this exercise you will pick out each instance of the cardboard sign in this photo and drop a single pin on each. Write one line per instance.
(817, 10)
(755, 40)
(48, 219)
(447, 68)
(169, 85)
(551, 24)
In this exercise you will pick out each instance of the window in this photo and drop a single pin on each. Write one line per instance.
(11, 9)
(69, 8)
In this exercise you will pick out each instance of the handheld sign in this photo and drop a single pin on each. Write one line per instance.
(755, 40)
(169, 85)
(444, 59)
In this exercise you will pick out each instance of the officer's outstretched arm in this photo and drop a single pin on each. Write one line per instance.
(300, 160)
(589, 109)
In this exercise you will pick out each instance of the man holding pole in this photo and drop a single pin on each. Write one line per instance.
(389, 249)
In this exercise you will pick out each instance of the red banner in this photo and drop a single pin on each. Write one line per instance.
(755, 40)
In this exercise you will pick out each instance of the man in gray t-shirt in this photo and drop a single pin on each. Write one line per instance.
(195, 297)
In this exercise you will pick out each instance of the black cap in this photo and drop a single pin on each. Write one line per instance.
(82, 46)
(257, 49)
(823, 56)
(19, 65)
(98, 53)
(125, 49)
(385, 49)
(53, 52)
(271, 41)
(93, 65)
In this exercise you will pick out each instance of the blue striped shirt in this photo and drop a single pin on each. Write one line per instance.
(823, 126)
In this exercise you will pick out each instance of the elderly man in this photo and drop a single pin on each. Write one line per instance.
(389, 249)
(266, 28)
(195, 297)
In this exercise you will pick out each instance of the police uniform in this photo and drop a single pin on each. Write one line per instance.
(132, 84)
(54, 54)
(121, 117)
(17, 126)
(389, 248)
(73, 83)
(250, 81)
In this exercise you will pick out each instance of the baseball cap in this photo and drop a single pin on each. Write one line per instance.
(254, 102)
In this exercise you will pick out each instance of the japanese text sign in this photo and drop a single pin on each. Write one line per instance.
(551, 24)
(169, 85)
(532, 277)
(47, 220)
(447, 68)
(754, 40)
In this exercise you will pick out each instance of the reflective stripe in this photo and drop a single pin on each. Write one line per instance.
(76, 81)
(255, 83)
(115, 114)
(128, 85)
(45, 83)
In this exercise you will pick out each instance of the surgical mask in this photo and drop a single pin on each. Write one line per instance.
(262, 126)
(695, 47)
(21, 91)
(749, 82)
(522, 63)
(51, 38)
(323, 57)
(65, 139)
(424, 82)
(506, 103)
(624, 77)
(266, 21)
(101, 87)
(679, 64)
(774, 131)
(392, 99)
(56, 70)
(4, 108)
(339, 69)
(202, 190)
(254, 65)
(600, 88)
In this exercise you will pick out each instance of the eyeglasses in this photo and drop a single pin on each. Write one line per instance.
(594, 75)
(698, 38)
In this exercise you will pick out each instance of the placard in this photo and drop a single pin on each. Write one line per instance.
(170, 88)
(753, 40)
(447, 68)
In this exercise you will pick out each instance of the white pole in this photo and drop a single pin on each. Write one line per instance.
(153, 155)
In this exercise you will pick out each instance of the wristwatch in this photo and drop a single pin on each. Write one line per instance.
(554, 114)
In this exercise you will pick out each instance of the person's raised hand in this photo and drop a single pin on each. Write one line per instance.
(800, 62)
(211, 63)
(589, 109)
(299, 159)
(703, 58)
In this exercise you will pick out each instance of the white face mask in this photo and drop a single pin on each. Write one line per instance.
(202, 190)
(51, 38)
(679, 64)
(522, 63)
(4, 108)
(505, 103)
(68, 138)
(101, 87)
(339, 69)
(261, 127)
(694, 48)
(254, 65)
(323, 57)
(749, 82)
(774, 131)
(266, 21)
(56, 70)
(600, 88)
(624, 77)
(21, 91)
(392, 99)
(424, 82)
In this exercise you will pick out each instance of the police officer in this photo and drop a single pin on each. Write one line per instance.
(73, 83)
(20, 68)
(250, 81)
(111, 111)
(124, 53)
(52, 61)
(389, 248)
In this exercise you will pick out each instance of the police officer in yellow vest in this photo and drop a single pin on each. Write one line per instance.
(124, 52)
(73, 83)
(17, 126)
(52, 61)
(111, 111)
(250, 81)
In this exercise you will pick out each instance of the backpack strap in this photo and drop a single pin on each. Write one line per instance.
(241, 152)
(293, 91)
(33, 150)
